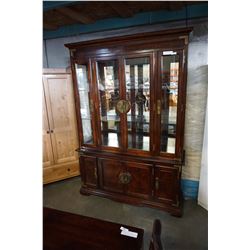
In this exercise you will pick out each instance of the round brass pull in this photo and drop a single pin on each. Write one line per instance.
(123, 106)
(125, 178)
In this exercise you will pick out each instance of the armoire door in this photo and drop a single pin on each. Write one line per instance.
(48, 159)
(61, 116)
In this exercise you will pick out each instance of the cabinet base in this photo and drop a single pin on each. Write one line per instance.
(60, 172)
(173, 210)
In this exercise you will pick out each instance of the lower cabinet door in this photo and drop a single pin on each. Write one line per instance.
(140, 179)
(111, 175)
(166, 184)
(89, 171)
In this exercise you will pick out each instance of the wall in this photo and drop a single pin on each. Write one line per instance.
(197, 83)
(57, 56)
(203, 190)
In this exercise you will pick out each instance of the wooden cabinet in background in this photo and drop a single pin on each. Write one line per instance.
(60, 140)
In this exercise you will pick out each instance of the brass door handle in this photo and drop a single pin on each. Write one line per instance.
(95, 173)
(156, 183)
(123, 106)
(158, 107)
(125, 178)
(91, 106)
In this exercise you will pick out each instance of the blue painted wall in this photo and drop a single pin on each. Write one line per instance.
(189, 189)
(146, 18)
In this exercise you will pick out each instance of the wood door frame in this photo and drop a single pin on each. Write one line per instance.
(98, 101)
(180, 102)
(132, 55)
(87, 62)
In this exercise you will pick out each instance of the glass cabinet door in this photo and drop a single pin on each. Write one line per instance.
(137, 71)
(109, 95)
(169, 99)
(85, 102)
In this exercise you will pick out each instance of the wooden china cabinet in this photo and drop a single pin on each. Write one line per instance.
(130, 105)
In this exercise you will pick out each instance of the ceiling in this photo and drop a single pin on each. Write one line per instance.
(58, 14)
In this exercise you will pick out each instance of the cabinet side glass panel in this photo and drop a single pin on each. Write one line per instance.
(84, 94)
(137, 72)
(169, 99)
(109, 95)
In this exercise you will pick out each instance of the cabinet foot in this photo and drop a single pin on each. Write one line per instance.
(83, 192)
(176, 214)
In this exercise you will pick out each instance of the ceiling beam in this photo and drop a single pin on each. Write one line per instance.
(49, 26)
(75, 15)
(50, 5)
(121, 9)
(173, 6)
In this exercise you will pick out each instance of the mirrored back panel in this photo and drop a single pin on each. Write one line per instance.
(137, 72)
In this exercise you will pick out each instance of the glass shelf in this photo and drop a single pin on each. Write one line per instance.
(83, 87)
(169, 100)
(138, 93)
(109, 94)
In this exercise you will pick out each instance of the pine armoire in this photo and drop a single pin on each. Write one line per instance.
(60, 139)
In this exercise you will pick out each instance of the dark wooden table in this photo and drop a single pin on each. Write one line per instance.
(62, 230)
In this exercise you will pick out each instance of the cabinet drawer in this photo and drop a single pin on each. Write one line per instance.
(89, 171)
(141, 179)
(60, 172)
(166, 183)
(110, 171)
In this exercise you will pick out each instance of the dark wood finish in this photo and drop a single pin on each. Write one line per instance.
(111, 170)
(155, 242)
(89, 171)
(67, 231)
(141, 179)
(166, 183)
(125, 174)
(174, 37)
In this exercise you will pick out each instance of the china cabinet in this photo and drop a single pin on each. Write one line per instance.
(130, 104)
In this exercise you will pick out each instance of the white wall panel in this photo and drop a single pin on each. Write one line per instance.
(203, 188)
(197, 84)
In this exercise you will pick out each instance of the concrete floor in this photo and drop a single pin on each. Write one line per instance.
(190, 232)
